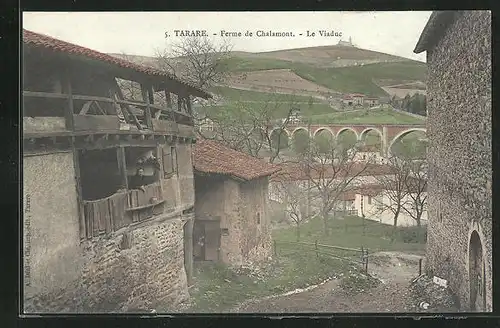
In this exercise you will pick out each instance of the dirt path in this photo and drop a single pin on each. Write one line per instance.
(394, 269)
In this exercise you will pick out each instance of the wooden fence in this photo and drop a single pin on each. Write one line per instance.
(359, 255)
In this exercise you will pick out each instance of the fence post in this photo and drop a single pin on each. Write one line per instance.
(366, 262)
(275, 250)
(316, 248)
(419, 267)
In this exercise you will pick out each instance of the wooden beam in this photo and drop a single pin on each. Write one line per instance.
(69, 112)
(119, 93)
(147, 110)
(79, 195)
(122, 166)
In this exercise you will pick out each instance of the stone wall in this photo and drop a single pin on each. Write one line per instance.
(135, 269)
(256, 242)
(459, 152)
(237, 204)
(50, 211)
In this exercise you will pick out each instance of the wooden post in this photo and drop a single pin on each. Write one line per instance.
(316, 248)
(147, 110)
(79, 196)
(179, 103)
(168, 99)
(188, 250)
(363, 256)
(275, 248)
(366, 262)
(69, 112)
(419, 267)
(189, 106)
(122, 166)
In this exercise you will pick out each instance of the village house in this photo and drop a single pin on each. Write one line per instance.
(369, 153)
(371, 101)
(459, 242)
(292, 177)
(232, 224)
(374, 202)
(108, 182)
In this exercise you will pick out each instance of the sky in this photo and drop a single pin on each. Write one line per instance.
(143, 33)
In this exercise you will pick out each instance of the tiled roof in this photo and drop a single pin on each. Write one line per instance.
(44, 41)
(213, 157)
(297, 172)
(371, 190)
(348, 195)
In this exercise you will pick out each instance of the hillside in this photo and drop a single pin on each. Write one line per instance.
(324, 56)
(293, 75)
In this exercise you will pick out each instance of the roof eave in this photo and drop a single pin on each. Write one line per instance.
(436, 25)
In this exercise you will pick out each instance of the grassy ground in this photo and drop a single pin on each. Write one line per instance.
(219, 288)
(349, 233)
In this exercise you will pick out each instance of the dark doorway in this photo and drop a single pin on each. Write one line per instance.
(476, 274)
(206, 239)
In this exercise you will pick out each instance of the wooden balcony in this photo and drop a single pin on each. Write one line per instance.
(131, 117)
(121, 209)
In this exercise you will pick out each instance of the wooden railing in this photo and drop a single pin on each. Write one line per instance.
(357, 256)
(119, 210)
(124, 112)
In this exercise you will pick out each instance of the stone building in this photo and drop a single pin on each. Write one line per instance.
(459, 249)
(232, 223)
(108, 187)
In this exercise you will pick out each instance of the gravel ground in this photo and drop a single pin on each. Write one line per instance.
(394, 270)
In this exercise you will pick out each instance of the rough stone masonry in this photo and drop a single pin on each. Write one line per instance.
(133, 270)
(459, 153)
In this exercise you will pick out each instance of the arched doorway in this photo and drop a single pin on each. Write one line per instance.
(476, 274)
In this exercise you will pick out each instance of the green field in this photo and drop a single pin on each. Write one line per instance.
(280, 110)
(372, 116)
(232, 94)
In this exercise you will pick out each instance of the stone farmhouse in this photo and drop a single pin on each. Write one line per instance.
(108, 182)
(459, 245)
(232, 224)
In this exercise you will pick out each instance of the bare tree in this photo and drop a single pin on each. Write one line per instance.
(197, 60)
(294, 201)
(331, 174)
(416, 186)
(245, 126)
(394, 186)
